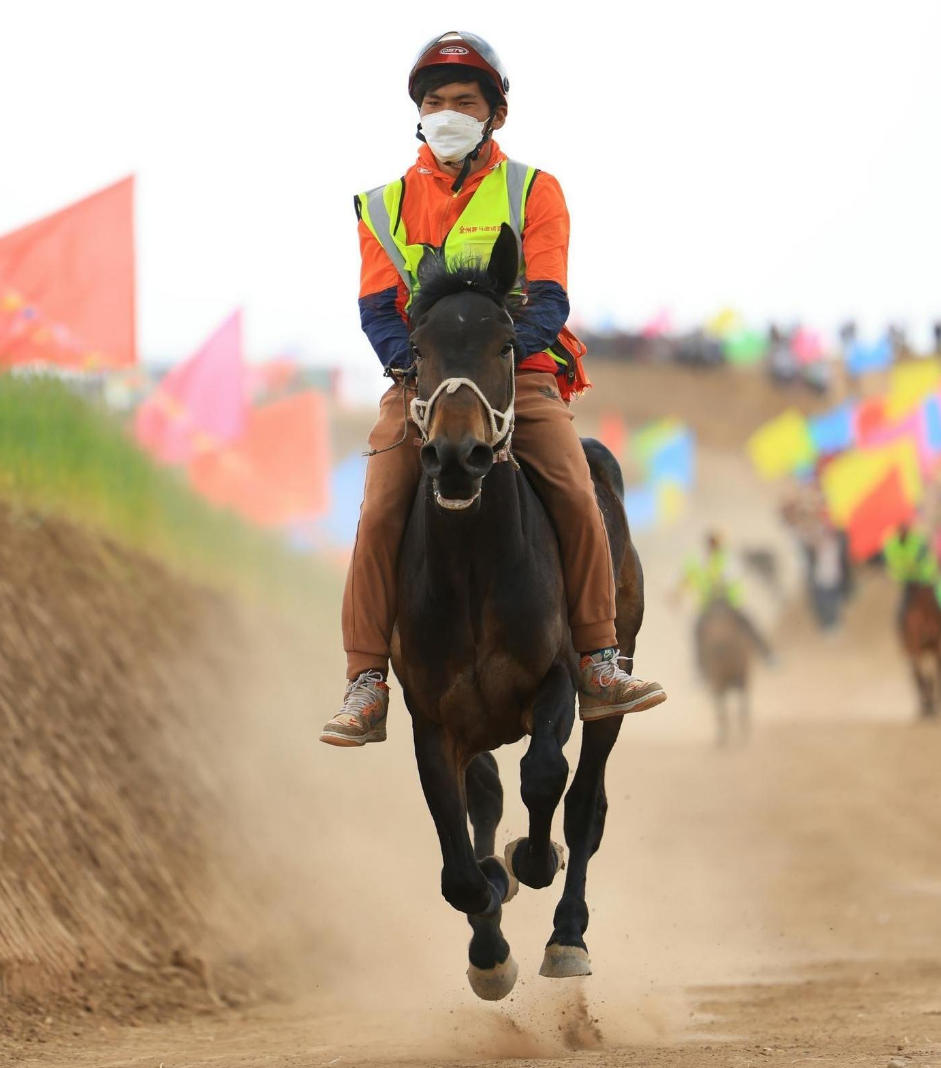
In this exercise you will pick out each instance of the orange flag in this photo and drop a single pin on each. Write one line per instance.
(67, 286)
(279, 471)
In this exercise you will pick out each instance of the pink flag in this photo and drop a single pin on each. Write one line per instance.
(201, 404)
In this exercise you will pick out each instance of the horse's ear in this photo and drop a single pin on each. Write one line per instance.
(504, 266)
(427, 265)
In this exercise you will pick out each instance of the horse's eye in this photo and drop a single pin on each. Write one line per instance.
(507, 351)
(415, 353)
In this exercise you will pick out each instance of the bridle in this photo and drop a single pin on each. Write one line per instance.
(501, 423)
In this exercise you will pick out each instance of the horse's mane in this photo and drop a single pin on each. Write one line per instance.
(444, 278)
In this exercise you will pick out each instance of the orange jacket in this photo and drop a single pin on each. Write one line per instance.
(429, 211)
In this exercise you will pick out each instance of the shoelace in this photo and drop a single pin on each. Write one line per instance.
(606, 671)
(357, 703)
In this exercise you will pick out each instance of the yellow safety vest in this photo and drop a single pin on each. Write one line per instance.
(500, 198)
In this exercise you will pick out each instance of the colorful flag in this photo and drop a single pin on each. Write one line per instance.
(835, 430)
(642, 507)
(613, 433)
(674, 461)
(278, 473)
(67, 286)
(201, 404)
(878, 514)
(745, 347)
(782, 446)
(863, 358)
(807, 345)
(855, 475)
(909, 384)
(872, 419)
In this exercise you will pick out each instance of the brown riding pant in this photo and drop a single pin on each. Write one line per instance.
(546, 439)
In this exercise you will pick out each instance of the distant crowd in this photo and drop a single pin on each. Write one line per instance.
(794, 357)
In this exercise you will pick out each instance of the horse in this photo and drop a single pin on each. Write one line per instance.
(482, 646)
(724, 650)
(919, 623)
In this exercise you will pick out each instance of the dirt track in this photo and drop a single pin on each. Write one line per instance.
(772, 903)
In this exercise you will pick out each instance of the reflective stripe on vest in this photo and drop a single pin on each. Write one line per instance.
(500, 198)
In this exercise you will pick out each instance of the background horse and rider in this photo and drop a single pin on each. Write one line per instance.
(725, 639)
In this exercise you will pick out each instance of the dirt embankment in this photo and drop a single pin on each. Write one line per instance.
(125, 719)
(724, 405)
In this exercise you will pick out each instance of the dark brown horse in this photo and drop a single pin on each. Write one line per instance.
(483, 648)
(920, 629)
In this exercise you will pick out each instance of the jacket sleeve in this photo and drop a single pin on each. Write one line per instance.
(382, 300)
(545, 250)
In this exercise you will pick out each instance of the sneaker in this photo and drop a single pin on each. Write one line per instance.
(606, 689)
(362, 718)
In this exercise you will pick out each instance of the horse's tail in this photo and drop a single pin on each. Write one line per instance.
(604, 466)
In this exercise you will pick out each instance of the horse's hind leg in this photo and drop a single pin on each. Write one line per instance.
(543, 774)
(585, 808)
(477, 888)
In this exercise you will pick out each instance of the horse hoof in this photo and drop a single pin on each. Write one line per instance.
(565, 962)
(510, 851)
(514, 883)
(493, 984)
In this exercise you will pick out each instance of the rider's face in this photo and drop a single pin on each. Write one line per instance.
(465, 98)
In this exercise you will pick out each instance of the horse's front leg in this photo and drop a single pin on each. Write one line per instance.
(585, 808)
(477, 888)
(543, 774)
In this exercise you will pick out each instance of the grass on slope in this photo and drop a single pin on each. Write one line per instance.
(61, 454)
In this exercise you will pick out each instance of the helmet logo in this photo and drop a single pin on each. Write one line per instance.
(454, 50)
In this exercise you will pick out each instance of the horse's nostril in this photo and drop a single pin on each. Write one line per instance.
(430, 460)
(479, 460)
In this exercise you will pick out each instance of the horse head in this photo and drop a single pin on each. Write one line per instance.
(463, 343)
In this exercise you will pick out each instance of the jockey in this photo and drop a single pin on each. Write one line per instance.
(455, 198)
(710, 578)
(909, 559)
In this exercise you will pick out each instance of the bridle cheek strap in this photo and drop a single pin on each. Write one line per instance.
(501, 423)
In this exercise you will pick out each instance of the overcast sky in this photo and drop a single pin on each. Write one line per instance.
(782, 158)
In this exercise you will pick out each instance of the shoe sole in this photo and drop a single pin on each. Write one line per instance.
(641, 704)
(345, 741)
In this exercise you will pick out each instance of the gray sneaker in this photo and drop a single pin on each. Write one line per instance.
(362, 718)
(606, 689)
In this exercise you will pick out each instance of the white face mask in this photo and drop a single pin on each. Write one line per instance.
(451, 135)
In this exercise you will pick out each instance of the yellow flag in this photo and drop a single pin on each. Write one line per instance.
(671, 501)
(909, 384)
(781, 446)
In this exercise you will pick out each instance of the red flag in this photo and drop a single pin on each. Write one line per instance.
(67, 286)
(201, 404)
(871, 419)
(613, 433)
(279, 471)
(878, 515)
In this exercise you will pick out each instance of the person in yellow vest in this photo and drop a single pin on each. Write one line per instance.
(909, 559)
(711, 579)
(455, 198)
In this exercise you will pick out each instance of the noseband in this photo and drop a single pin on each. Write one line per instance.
(501, 428)
(501, 423)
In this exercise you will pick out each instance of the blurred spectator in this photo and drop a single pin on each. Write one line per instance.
(825, 555)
